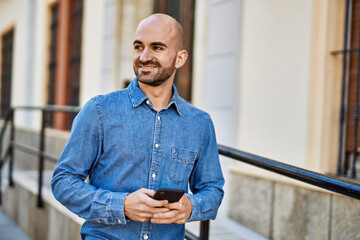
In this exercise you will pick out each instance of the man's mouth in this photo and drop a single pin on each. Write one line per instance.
(147, 66)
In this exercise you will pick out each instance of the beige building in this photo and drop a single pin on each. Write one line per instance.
(266, 70)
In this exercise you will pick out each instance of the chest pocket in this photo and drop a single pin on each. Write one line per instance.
(181, 165)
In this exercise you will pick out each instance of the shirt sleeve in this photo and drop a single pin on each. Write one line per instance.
(206, 180)
(80, 155)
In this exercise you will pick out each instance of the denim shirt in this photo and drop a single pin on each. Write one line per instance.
(123, 144)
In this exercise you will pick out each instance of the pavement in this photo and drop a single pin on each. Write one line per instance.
(10, 231)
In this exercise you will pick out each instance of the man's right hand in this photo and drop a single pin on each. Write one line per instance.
(139, 206)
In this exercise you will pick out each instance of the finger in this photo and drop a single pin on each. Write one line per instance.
(140, 219)
(180, 221)
(160, 210)
(162, 221)
(173, 218)
(175, 205)
(148, 192)
(145, 215)
(156, 203)
(166, 215)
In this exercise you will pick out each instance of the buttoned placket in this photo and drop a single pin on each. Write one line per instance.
(154, 167)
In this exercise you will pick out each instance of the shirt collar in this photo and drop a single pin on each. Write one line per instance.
(137, 96)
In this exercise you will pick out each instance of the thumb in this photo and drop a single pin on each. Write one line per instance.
(148, 192)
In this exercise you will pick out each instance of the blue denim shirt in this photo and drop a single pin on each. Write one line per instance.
(123, 144)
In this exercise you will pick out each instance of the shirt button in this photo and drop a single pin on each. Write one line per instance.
(147, 102)
(146, 236)
(153, 175)
(156, 145)
(119, 221)
(158, 118)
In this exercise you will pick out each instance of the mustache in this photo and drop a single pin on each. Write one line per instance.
(150, 62)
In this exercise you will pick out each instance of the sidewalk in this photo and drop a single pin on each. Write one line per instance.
(9, 231)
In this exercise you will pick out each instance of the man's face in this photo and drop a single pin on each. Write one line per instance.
(155, 53)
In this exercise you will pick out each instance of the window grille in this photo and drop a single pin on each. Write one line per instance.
(52, 61)
(75, 56)
(6, 72)
(349, 142)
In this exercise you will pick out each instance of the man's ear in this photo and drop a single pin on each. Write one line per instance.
(181, 58)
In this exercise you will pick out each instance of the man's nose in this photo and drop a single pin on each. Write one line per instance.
(145, 55)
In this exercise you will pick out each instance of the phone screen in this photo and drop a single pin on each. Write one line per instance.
(170, 194)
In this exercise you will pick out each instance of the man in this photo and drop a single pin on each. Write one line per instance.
(134, 141)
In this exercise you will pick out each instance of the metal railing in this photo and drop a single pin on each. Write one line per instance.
(39, 152)
(316, 179)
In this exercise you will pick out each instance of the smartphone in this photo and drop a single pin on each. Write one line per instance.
(170, 194)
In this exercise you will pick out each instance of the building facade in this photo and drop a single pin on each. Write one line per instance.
(269, 72)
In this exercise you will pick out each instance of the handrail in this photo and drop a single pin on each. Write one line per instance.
(316, 179)
(40, 152)
(34, 151)
(50, 108)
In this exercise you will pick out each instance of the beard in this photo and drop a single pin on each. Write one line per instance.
(154, 79)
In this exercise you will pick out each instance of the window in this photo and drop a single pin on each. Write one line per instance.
(6, 73)
(52, 60)
(75, 57)
(183, 11)
(349, 133)
(65, 59)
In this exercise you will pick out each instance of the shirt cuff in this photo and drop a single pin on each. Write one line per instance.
(195, 202)
(115, 208)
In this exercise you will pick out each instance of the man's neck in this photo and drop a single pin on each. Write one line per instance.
(160, 95)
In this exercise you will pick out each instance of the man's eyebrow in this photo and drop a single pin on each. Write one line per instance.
(158, 44)
(152, 44)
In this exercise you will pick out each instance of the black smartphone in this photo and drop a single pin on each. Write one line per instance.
(170, 194)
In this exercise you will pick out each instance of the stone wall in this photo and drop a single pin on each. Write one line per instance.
(52, 222)
(280, 210)
(54, 143)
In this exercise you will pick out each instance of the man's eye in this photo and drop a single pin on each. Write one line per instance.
(158, 48)
(138, 47)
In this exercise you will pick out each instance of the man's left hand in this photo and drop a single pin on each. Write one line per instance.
(179, 212)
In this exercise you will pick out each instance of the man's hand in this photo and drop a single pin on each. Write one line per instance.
(139, 206)
(179, 212)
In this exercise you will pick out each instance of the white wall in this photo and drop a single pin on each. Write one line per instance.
(15, 14)
(216, 73)
(130, 13)
(91, 55)
(274, 81)
(221, 71)
(108, 31)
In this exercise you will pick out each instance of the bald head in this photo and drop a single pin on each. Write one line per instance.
(166, 23)
(158, 50)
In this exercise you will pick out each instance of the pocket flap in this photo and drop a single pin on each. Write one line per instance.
(184, 155)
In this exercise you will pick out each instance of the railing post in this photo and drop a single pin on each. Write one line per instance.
(204, 230)
(40, 202)
(11, 153)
